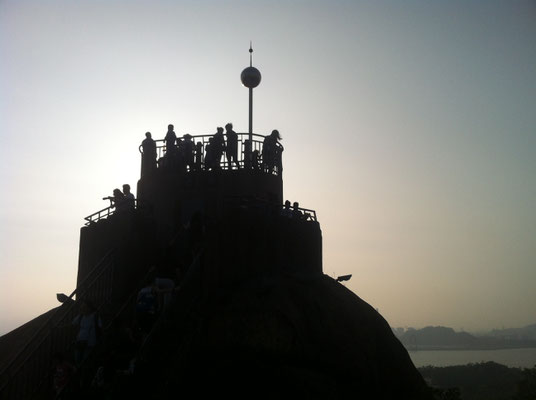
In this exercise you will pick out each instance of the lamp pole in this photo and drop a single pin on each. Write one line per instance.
(250, 77)
(250, 114)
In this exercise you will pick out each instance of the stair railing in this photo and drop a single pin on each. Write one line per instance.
(22, 375)
(123, 309)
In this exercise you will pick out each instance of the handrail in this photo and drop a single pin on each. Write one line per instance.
(44, 333)
(104, 213)
(308, 214)
(96, 216)
(74, 292)
(253, 161)
(192, 272)
(117, 315)
(129, 301)
(299, 213)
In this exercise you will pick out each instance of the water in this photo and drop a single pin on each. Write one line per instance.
(520, 358)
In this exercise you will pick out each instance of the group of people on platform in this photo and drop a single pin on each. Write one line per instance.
(122, 200)
(294, 212)
(186, 155)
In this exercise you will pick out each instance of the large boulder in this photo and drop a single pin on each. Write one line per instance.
(283, 335)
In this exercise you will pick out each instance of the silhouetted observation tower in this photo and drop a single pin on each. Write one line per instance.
(217, 175)
(242, 300)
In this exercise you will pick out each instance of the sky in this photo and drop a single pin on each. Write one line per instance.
(408, 126)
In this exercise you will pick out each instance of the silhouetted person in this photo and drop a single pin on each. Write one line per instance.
(164, 289)
(209, 154)
(121, 346)
(147, 307)
(278, 151)
(180, 155)
(248, 161)
(286, 211)
(218, 144)
(61, 373)
(255, 159)
(89, 331)
(198, 155)
(188, 151)
(170, 139)
(296, 213)
(117, 201)
(232, 146)
(267, 153)
(270, 151)
(148, 157)
(129, 199)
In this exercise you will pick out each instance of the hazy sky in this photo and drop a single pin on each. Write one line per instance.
(409, 127)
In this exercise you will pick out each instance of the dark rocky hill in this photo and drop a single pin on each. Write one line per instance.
(274, 337)
(13, 342)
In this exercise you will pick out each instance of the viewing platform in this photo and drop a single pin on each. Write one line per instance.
(182, 175)
(194, 173)
(190, 154)
(300, 213)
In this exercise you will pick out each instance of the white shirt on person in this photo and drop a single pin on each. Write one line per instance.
(87, 331)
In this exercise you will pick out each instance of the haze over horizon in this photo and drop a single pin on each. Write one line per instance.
(408, 126)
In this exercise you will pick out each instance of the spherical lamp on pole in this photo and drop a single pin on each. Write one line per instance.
(250, 77)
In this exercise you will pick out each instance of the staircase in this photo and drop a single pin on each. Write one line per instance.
(26, 372)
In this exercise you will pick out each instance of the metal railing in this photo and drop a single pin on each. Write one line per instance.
(101, 214)
(105, 213)
(305, 214)
(21, 377)
(248, 156)
(125, 312)
(185, 297)
(297, 213)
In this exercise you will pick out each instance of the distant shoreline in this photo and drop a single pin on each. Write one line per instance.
(513, 358)
(472, 348)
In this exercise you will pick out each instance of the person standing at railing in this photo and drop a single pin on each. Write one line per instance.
(267, 153)
(231, 150)
(180, 154)
(129, 199)
(286, 211)
(248, 155)
(188, 151)
(209, 154)
(117, 201)
(148, 157)
(278, 152)
(170, 139)
(270, 151)
(255, 159)
(198, 155)
(218, 144)
(296, 213)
